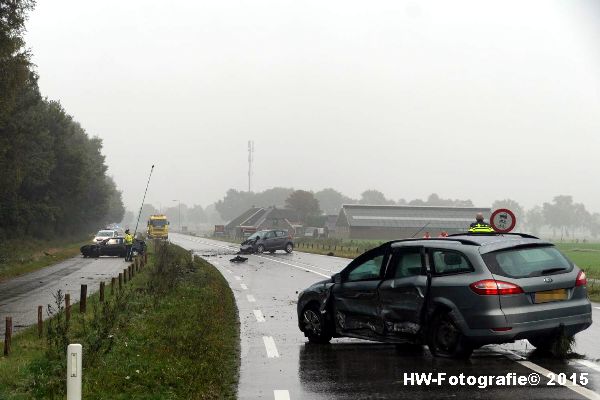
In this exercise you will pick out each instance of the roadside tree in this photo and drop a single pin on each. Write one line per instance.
(304, 203)
(331, 201)
(374, 197)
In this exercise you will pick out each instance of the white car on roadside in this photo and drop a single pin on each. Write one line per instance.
(105, 234)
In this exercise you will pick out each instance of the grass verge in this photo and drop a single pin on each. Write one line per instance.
(24, 256)
(171, 333)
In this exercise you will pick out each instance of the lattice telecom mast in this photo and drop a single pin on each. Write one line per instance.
(250, 161)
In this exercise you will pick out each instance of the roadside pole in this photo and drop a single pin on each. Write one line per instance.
(74, 371)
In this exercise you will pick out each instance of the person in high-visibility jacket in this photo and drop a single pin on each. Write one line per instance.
(128, 245)
(480, 226)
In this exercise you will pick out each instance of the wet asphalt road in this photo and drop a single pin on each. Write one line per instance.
(278, 363)
(21, 296)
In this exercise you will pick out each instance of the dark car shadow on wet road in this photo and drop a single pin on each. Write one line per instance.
(373, 370)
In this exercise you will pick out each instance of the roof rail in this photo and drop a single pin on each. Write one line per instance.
(523, 235)
(449, 239)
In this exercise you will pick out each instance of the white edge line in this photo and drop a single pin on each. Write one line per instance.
(244, 286)
(589, 364)
(296, 266)
(270, 347)
(259, 316)
(237, 278)
(597, 308)
(281, 395)
(585, 392)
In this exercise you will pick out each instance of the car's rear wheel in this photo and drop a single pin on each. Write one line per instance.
(316, 328)
(445, 338)
(260, 249)
(289, 248)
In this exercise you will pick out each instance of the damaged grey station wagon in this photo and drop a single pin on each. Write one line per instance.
(454, 294)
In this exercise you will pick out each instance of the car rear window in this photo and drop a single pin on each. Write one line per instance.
(527, 262)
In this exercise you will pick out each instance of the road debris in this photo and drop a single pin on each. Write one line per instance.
(238, 259)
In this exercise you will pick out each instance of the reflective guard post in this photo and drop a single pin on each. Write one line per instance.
(74, 363)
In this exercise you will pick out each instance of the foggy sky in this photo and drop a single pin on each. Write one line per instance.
(464, 99)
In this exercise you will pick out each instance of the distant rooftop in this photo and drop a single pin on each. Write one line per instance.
(405, 216)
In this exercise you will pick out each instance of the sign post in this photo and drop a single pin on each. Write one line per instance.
(503, 220)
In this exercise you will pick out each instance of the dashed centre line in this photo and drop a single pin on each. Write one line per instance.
(243, 285)
(270, 346)
(250, 298)
(237, 278)
(281, 395)
(259, 316)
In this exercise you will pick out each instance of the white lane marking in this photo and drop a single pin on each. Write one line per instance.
(281, 395)
(587, 393)
(296, 266)
(270, 346)
(302, 264)
(597, 308)
(259, 316)
(589, 364)
(228, 271)
(250, 298)
(244, 286)
(237, 278)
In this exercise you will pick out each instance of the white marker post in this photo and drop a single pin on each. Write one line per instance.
(74, 370)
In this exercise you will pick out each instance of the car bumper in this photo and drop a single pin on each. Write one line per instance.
(572, 325)
(247, 248)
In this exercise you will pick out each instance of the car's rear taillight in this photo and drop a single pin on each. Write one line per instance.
(581, 279)
(491, 287)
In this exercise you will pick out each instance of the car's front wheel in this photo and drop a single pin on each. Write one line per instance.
(315, 325)
(445, 338)
(289, 248)
(260, 249)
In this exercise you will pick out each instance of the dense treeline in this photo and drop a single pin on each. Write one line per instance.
(52, 174)
(327, 201)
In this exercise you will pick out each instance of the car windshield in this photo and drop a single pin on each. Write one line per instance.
(257, 235)
(159, 222)
(527, 262)
(105, 234)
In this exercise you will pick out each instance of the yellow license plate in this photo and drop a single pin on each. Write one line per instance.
(551, 295)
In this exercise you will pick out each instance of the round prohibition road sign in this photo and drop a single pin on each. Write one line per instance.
(503, 220)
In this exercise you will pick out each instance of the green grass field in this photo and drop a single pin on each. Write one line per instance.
(584, 255)
(173, 333)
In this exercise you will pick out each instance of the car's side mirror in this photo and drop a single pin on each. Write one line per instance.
(337, 278)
